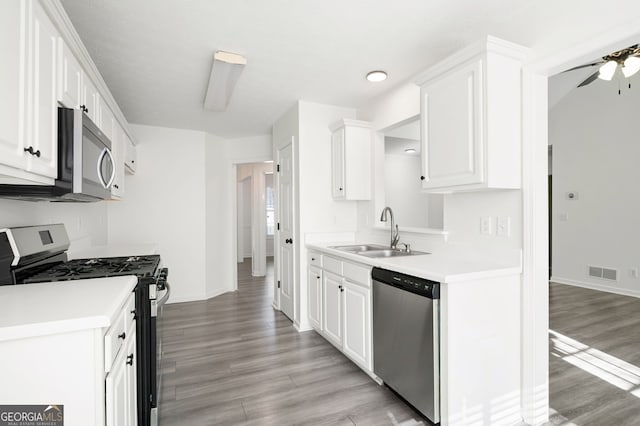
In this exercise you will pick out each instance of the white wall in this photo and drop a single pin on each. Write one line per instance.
(595, 154)
(86, 223)
(164, 203)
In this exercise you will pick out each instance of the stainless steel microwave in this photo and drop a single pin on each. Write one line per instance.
(86, 167)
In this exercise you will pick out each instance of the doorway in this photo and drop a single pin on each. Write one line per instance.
(255, 215)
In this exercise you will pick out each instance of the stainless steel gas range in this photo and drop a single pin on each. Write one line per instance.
(36, 254)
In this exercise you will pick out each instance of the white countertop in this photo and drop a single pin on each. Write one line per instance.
(445, 265)
(29, 310)
(112, 250)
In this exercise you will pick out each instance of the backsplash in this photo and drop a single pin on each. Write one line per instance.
(86, 223)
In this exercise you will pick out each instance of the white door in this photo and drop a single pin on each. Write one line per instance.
(357, 323)
(286, 243)
(314, 279)
(332, 314)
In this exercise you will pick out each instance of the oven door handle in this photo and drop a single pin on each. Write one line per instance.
(164, 298)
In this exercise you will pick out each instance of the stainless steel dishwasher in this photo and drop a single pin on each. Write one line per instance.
(406, 338)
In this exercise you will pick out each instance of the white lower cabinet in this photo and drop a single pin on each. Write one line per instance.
(315, 297)
(120, 386)
(356, 343)
(332, 308)
(344, 307)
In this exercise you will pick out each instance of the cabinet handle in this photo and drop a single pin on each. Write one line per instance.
(313, 259)
(116, 186)
(421, 177)
(134, 314)
(340, 189)
(133, 161)
(130, 359)
(122, 336)
(288, 241)
(84, 109)
(342, 290)
(32, 152)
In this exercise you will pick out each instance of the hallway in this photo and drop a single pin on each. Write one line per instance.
(234, 360)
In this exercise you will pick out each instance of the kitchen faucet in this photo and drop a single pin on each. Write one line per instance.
(394, 238)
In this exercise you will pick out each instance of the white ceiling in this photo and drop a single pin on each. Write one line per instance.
(156, 55)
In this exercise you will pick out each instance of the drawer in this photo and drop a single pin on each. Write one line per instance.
(113, 340)
(314, 258)
(332, 265)
(129, 313)
(359, 274)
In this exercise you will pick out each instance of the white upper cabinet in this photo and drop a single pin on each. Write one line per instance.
(118, 149)
(44, 66)
(13, 158)
(130, 156)
(70, 89)
(351, 142)
(42, 95)
(471, 119)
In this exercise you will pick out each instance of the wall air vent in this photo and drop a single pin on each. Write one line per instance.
(603, 273)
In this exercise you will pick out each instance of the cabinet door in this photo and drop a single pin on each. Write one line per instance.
(116, 391)
(12, 76)
(452, 133)
(131, 392)
(130, 156)
(43, 130)
(118, 150)
(314, 280)
(70, 80)
(106, 120)
(338, 189)
(332, 308)
(90, 99)
(357, 323)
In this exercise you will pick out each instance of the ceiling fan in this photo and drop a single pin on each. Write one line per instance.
(627, 59)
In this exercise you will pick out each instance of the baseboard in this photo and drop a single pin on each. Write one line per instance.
(217, 293)
(275, 307)
(598, 287)
(302, 327)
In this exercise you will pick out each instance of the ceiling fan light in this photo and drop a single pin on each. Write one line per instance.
(631, 66)
(608, 70)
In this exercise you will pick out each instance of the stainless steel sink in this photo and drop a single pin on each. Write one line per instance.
(389, 253)
(359, 248)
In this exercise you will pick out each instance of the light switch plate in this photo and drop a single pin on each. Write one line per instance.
(485, 225)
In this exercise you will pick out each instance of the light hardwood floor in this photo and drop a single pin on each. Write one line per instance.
(594, 360)
(234, 360)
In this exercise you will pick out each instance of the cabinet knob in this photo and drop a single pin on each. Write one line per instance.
(288, 241)
(116, 186)
(84, 109)
(134, 314)
(133, 161)
(122, 336)
(421, 177)
(130, 359)
(313, 259)
(340, 189)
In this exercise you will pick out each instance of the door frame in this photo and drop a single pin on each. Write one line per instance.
(535, 288)
(233, 210)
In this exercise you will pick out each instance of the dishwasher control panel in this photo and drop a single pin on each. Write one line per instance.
(420, 286)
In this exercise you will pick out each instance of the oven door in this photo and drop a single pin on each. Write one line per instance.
(156, 347)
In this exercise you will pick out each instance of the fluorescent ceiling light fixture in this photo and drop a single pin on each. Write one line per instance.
(225, 72)
(608, 70)
(631, 66)
(410, 151)
(268, 161)
(376, 76)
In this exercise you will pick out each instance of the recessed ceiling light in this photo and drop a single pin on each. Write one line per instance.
(376, 76)
(410, 151)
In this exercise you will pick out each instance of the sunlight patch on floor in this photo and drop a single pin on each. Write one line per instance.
(613, 370)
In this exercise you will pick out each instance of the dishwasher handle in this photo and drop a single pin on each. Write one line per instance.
(416, 285)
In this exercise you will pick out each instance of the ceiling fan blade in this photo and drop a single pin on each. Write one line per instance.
(584, 66)
(589, 79)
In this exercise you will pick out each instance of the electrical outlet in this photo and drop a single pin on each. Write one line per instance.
(485, 225)
(503, 226)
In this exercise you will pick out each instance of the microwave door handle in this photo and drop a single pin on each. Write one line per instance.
(101, 158)
(113, 168)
